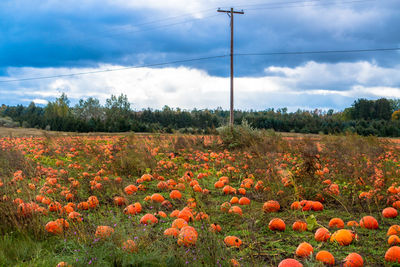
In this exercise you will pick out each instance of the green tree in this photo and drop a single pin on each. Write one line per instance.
(118, 113)
(89, 109)
(383, 109)
(58, 115)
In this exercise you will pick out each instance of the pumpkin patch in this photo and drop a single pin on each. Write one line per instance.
(145, 199)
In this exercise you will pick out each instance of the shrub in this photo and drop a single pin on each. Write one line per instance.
(239, 136)
(8, 122)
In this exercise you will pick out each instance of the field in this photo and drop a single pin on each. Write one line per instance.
(183, 200)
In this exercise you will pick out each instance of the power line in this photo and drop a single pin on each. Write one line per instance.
(143, 30)
(311, 4)
(207, 58)
(277, 4)
(112, 31)
(117, 69)
(263, 6)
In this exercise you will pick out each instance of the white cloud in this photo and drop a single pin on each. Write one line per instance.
(40, 101)
(312, 85)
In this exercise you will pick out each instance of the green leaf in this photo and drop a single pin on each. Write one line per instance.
(311, 222)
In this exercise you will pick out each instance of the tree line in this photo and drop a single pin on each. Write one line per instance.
(365, 117)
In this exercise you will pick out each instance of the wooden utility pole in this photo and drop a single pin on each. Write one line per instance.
(230, 14)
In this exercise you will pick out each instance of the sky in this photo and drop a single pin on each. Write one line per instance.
(130, 38)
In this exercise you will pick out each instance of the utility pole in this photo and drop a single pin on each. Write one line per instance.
(230, 14)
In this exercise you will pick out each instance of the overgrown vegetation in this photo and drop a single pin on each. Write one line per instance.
(351, 175)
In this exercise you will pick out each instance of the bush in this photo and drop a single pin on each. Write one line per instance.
(239, 136)
(8, 122)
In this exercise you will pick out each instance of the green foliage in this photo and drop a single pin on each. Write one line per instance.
(239, 136)
(380, 109)
(135, 158)
(8, 122)
(311, 222)
(58, 115)
(364, 117)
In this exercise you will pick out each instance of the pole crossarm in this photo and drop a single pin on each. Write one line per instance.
(229, 11)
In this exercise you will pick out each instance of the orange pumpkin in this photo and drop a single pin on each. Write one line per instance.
(187, 236)
(54, 228)
(304, 250)
(63, 223)
(162, 185)
(148, 219)
(129, 246)
(75, 216)
(369, 222)
(271, 206)
(83, 205)
(353, 260)
(393, 240)
(352, 224)
(234, 200)
(171, 232)
(201, 216)
(232, 241)
(138, 207)
(63, 264)
(343, 237)
(317, 206)
(322, 234)
(236, 210)
(299, 226)
(234, 263)
(131, 210)
(295, 205)
(54, 207)
(24, 209)
(219, 184)
(197, 188)
(306, 205)
(104, 231)
(130, 189)
(179, 223)
(157, 198)
(175, 194)
(224, 179)
(389, 213)
(325, 257)
(242, 191)
(228, 190)
(277, 224)
(161, 214)
(393, 230)
(393, 254)
(174, 213)
(396, 204)
(215, 228)
(93, 202)
(120, 201)
(290, 263)
(146, 177)
(244, 201)
(186, 214)
(336, 223)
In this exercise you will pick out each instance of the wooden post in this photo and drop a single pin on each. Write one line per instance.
(230, 14)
